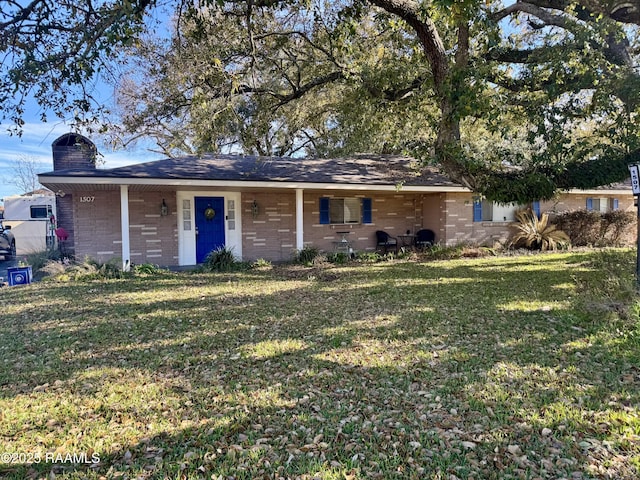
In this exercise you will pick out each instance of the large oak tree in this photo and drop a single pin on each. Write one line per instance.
(515, 101)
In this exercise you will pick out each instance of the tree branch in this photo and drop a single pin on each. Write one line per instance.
(547, 17)
(432, 44)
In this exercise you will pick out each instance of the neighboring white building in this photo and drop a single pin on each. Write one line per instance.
(31, 217)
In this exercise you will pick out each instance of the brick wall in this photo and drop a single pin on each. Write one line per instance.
(433, 214)
(393, 213)
(97, 225)
(271, 234)
(65, 220)
(579, 201)
(153, 238)
(71, 151)
(459, 226)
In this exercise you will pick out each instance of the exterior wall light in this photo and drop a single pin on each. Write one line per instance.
(164, 209)
(255, 209)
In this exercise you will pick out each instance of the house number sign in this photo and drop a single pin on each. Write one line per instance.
(635, 180)
(87, 199)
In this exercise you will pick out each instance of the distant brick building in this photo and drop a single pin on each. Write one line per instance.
(174, 211)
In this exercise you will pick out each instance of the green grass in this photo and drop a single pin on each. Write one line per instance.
(494, 368)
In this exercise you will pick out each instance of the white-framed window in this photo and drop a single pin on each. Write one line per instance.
(186, 215)
(231, 214)
(488, 211)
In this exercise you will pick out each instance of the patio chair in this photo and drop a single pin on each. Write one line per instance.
(384, 240)
(425, 238)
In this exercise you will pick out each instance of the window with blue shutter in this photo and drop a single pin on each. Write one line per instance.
(324, 210)
(367, 216)
(477, 210)
(589, 204)
(535, 206)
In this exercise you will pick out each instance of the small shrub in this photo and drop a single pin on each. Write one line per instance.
(147, 269)
(615, 226)
(537, 233)
(38, 260)
(590, 228)
(338, 257)
(368, 257)
(261, 263)
(220, 260)
(66, 270)
(307, 255)
(443, 252)
(582, 226)
(111, 269)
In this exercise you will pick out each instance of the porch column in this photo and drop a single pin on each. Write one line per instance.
(299, 219)
(124, 227)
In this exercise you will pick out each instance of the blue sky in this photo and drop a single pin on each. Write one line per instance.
(35, 144)
(37, 137)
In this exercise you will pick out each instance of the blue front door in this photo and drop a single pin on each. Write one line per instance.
(209, 225)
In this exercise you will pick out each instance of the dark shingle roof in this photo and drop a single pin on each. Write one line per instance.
(359, 169)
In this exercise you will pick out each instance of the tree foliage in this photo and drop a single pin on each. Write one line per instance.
(513, 101)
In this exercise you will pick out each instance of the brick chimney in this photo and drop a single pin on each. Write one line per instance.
(71, 152)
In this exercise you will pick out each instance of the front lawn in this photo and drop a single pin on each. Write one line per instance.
(496, 368)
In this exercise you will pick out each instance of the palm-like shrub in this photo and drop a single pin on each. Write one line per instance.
(220, 260)
(537, 233)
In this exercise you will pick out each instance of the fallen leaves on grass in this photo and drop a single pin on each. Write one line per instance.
(485, 369)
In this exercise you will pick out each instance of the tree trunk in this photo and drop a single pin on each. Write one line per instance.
(447, 145)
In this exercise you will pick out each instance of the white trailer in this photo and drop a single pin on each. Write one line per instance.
(32, 221)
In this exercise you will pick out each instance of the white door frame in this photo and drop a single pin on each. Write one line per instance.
(187, 226)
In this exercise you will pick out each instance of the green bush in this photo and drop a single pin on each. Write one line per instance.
(338, 257)
(368, 257)
(221, 260)
(307, 255)
(589, 228)
(261, 263)
(147, 269)
(460, 250)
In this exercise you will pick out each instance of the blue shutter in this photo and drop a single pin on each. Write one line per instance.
(589, 204)
(324, 210)
(477, 211)
(536, 208)
(615, 204)
(366, 211)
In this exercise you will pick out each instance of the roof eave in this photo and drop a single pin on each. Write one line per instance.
(601, 191)
(93, 180)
